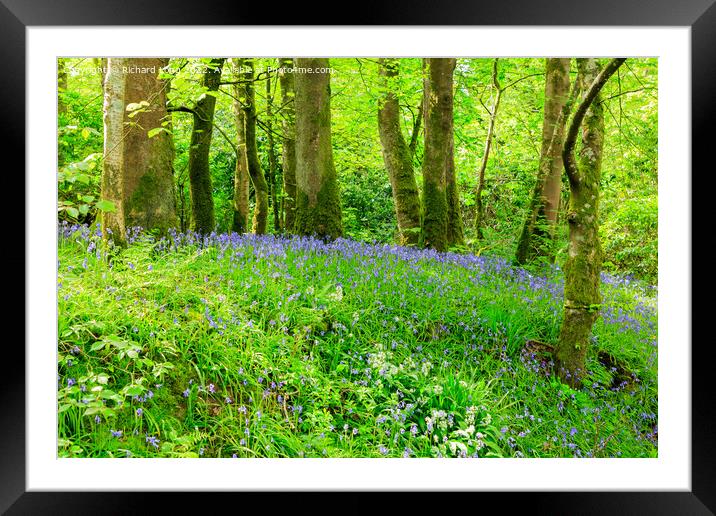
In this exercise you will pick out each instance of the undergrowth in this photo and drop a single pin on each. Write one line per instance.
(246, 346)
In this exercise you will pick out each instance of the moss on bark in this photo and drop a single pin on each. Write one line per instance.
(200, 188)
(252, 156)
(437, 98)
(398, 159)
(137, 174)
(582, 269)
(538, 229)
(288, 126)
(318, 207)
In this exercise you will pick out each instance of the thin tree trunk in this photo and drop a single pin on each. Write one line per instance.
(538, 230)
(584, 262)
(318, 207)
(137, 174)
(202, 200)
(288, 125)
(252, 155)
(61, 85)
(398, 159)
(242, 179)
(273, 166)
(455, 232)
(415, 134)
(479, 209)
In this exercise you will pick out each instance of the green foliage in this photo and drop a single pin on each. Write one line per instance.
(261, 347)
(629, 166)
(630, 237)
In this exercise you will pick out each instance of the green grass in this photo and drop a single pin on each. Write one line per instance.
(269, 347)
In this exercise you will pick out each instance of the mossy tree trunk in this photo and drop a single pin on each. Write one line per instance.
(537, 234)
(318, 206)
(242, 179)
(438, 112)
(137, 171)
(248, 101)
(288, 152)
(398, 158)
(584, 263)
(455, 232)
(61, 85)
(200, 188)
(273, 181)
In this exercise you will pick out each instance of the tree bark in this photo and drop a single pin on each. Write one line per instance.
(272, 162)
(257, 176)
(398, 159)
(538, 230)
(61, 85)
(137, 171)
(584, 262)
(288, 125)
(479, 209)
(438, 110)
(200, 188)
(242, 179)
(318, 207)
(455, 232)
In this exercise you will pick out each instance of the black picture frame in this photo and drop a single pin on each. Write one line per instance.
(16, 15)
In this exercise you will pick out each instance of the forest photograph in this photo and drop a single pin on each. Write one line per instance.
(357, 257)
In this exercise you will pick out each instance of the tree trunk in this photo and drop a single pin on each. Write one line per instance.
(240, 222)
(257, 176)
(455, 233)
(202, 201)
(318, 207)
(479, 209)
(584, 263)
(61, 85)
(272, 165)
(137, 170)
(398, 159)
(538, 230)
(438, 110)
(288, 125)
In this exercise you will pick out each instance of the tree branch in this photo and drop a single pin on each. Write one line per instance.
(570, 164)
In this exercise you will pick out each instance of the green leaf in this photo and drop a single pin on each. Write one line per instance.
(72, 212)
(98, 345)
(104, 205)
(84, 209)
(153, 132)
(133, 390)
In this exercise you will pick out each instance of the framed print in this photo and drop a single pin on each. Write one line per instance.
(278, 323)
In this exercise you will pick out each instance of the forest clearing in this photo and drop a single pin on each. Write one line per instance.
(357, 257)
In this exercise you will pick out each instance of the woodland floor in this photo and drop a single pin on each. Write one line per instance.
(246, 346)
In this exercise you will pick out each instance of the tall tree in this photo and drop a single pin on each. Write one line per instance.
(61, 85)
(398, 157)
(455, 232)
(479, 209)
(438, 111)
(248, 101)
(202, 201)
(584, 262)
(272, 161)
(137, 170)
(242, 179)
(538, 229)
(288, 127)
(318, 206)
